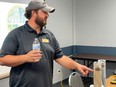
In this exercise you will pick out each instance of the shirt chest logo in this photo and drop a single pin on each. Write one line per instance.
(45, 40)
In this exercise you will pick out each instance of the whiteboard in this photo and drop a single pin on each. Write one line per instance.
(11, 17)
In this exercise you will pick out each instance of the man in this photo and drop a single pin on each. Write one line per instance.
(34, 68)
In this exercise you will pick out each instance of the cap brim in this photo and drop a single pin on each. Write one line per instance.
(48, 9)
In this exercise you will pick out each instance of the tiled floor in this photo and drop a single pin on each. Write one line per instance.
(86, 80)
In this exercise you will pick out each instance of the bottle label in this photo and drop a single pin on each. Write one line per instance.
(36, 47)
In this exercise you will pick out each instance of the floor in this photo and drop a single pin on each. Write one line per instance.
(86, 80)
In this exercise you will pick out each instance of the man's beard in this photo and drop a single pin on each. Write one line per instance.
(39, 22)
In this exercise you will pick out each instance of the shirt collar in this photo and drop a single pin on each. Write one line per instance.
(43, 30)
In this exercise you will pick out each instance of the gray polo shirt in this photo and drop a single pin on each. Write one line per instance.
(19, 41)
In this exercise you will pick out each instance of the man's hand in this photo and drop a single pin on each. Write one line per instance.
(33, 56)
(71, 64)
(83, 69)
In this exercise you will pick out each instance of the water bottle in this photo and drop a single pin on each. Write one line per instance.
(36, 44)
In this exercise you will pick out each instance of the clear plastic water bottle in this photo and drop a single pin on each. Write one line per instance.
(36, 44)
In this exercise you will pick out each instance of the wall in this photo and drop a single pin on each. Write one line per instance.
(16, 1)
(95, 26)
(61, 24)
(96, 22)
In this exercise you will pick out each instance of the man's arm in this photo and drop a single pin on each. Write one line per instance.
(70, 64)
(13, 60)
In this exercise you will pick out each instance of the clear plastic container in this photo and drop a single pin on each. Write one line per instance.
(97, 74)
(103, 71)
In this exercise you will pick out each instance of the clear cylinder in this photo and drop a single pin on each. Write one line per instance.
(103, 71)
(97, 74)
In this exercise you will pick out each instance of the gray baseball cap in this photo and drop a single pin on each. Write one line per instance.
(40, 4)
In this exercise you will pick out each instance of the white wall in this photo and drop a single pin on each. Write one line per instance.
(16, 1)
(61, 22)
(95, 22)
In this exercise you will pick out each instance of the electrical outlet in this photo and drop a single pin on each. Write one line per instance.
(58, 71)
(60, 74)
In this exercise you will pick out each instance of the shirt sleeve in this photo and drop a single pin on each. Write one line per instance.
(10, 44)
(58, 51)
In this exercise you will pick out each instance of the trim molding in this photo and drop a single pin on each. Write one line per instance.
(78, 49)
